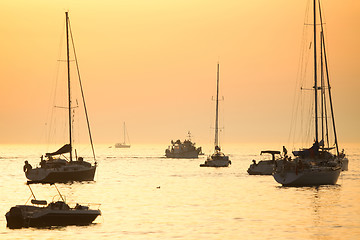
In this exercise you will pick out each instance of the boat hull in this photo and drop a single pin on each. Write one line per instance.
(308, 177)
(62, 175)
(261, 168)
(187, 154)
(120, 145)
(216, 163)
(18, 217)
(64, 219)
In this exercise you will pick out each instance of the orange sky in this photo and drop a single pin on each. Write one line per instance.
(153, 65)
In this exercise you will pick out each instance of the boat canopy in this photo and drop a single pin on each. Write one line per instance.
(270, 151)
(64, 149)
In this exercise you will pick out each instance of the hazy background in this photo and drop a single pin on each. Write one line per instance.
(153, 65)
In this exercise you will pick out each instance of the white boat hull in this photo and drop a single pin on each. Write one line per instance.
(308, 177)
(216, 161)
(261, 168)
(121, 145)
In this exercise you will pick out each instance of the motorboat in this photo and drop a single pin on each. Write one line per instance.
(57, 213)
(263, 167)
(185, 149)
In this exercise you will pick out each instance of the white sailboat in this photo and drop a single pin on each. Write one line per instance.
(124, 144)
(217, 159)
(322, 163)
(63, 165)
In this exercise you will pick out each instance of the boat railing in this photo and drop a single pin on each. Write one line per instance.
(87, 205)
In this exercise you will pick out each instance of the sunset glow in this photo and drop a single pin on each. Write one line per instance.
(153, 65)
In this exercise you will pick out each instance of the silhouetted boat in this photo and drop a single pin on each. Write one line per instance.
(55, 167)
(315, 165)
(123, 144)
(217, 159)
(41, 214)
(264, 167)
(186, 149)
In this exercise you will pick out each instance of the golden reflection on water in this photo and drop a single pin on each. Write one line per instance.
(146, 196)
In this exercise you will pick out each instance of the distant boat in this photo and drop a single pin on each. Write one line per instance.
(315, 165)
(56, 167)
(124, 144)
(185, 149)
(41, 214)
(264, 167)
(217, 159)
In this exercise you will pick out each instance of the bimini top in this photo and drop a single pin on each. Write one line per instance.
(270, 151)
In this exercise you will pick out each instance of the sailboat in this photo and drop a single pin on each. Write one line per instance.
(62, 165)
(218, 158)
(123, 144)
(317, 165)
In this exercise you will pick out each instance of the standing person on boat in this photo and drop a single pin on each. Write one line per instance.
(285, 151)
(27, 166)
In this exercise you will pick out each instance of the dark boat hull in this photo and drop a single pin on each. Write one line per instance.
(16, 219)
(60, 219)
(187, 154)
(311, 177)
(54, 176)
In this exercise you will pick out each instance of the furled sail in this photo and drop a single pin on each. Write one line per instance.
(64, 149)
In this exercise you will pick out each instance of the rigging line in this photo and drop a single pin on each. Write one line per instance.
(329, 88)
(315, 78)
(82, 92)
(54, 90)
(127, 134)
(323, 94)
(322, 91)
(301, 75)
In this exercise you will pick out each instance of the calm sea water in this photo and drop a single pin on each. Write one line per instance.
(143, 195)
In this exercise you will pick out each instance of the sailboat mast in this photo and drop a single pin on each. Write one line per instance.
(322, 92)
(124, 134)
(68, 68)
(217, 109)
(315, 78)
(328, 83)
